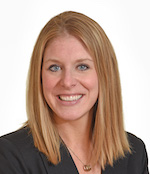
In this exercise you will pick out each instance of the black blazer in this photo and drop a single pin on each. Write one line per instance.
(18, 155)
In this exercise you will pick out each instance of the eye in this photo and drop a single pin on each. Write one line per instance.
(83, 67)
(54, 68)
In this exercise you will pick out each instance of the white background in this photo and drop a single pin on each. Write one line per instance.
(127, 24)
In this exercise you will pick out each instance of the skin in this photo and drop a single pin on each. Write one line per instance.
(69, 79)
(70, 87)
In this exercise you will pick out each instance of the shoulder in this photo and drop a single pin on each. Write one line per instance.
(136, 144)
(20, 139)
(18, 153)
(20, 133)
(137, 160)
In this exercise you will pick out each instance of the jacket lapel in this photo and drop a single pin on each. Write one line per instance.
(119, 167)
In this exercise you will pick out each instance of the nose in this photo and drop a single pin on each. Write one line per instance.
(68, 79)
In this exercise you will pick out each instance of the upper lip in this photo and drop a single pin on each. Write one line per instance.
(70, 97)
(70, 94)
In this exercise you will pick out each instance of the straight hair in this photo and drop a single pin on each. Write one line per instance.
(110, 140)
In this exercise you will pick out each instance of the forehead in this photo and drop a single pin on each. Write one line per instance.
(66, 45)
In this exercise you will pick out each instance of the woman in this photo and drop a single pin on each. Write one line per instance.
(74, 107)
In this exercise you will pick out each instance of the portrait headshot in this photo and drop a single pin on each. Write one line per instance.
(75, 87)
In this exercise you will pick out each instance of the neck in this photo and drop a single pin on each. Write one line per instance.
(76, 133)
(77, 136)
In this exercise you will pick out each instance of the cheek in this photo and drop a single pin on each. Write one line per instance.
(48, 83)
(91, 82)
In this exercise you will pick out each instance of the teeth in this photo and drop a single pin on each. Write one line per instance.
(70, 98)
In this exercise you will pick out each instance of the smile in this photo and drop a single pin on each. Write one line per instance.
(70, 98)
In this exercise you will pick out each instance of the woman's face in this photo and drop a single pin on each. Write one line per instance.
(69, 79)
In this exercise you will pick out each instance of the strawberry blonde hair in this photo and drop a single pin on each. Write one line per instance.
(109, 137)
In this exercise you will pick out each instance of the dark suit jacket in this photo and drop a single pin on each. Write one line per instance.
(18, 155)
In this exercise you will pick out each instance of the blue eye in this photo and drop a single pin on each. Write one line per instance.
(54, 68)
(83, 67)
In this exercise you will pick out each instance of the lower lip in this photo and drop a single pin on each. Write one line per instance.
(69, 103)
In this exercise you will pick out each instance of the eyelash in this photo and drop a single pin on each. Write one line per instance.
(81, 67)
(51, 68)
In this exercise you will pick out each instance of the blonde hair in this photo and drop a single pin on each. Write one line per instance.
(109, 137)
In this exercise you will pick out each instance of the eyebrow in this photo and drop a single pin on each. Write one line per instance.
(78, 60)
(86, 59)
